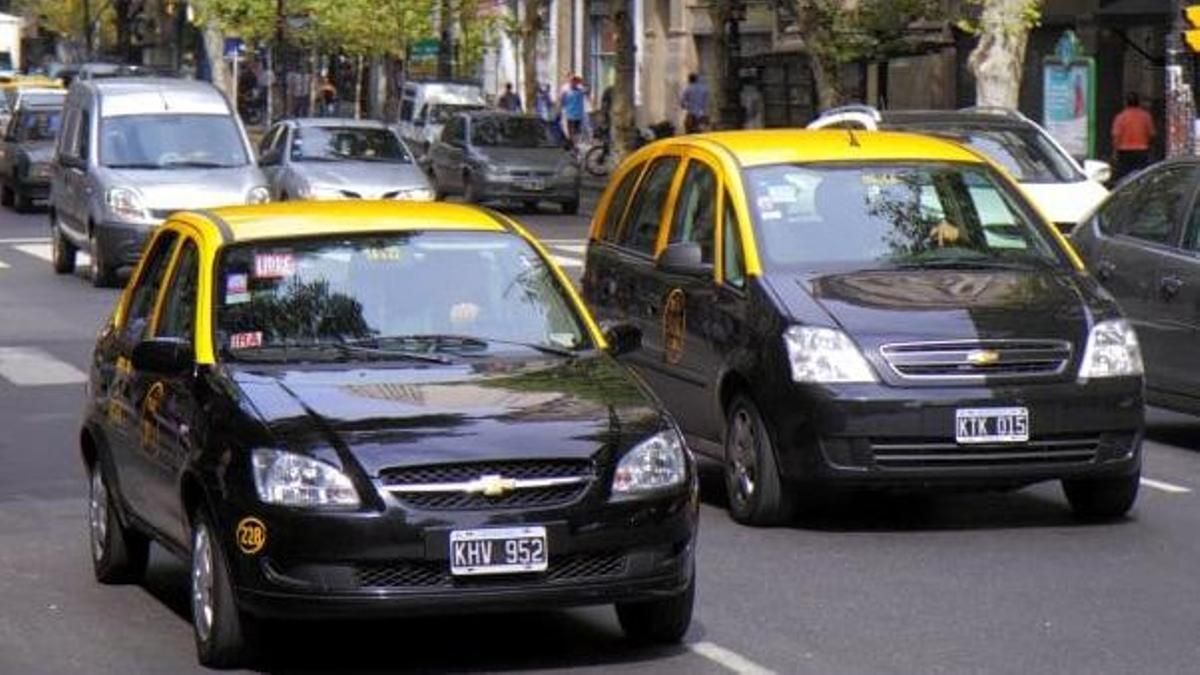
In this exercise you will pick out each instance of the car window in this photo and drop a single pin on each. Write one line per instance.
(909, 214)
(734, 271)
(645, 215)
(145, 289)
(505, 131)
(84, 136)
(696, 209)
(1025, 153)
(271, 140)
(174, 140)
(36, 124)
(178, 315)
(1157, 205)
(1191, 238)
(66, 140)
(617, 205)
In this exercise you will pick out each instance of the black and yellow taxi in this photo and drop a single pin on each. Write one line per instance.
(354, 410)
(865, 309)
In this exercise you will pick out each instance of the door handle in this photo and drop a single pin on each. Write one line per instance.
(1169, 286)
(1105, 269)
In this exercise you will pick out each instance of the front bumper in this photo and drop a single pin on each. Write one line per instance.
(551, 189)
(874, 434)
(389, 563)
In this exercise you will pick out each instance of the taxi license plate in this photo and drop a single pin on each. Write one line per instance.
(991, 425)
(534, 184)
(497, 551)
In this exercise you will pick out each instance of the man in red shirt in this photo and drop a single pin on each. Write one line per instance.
(1132, 131)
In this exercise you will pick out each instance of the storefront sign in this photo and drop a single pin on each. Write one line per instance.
(1069, 97)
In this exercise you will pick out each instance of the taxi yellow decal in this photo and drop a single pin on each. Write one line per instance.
(251, 535)
(674, 326)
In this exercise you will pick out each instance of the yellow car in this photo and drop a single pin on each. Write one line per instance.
(865, 309)
(365, 409)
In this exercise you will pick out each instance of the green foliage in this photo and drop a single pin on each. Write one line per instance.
(1028, 16)
(842, 31)
(251, 20)
(65, 17)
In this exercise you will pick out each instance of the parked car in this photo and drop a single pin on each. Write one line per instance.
(327, 158)
(875, 310)
(131, 152)
(44, 90)
(27, 151)
(500, 155)
(1143, 244)
(1064, 190)
(319, 445)
(426, 106)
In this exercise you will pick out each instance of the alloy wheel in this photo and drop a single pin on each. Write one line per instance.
(744, 456)
(202, 582)
(98, 514)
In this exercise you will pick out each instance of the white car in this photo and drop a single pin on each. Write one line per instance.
(1064, 190)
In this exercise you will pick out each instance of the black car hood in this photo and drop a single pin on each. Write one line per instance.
(893, 305)
(388, 416)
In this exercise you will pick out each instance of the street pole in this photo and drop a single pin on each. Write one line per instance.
(1180, 104)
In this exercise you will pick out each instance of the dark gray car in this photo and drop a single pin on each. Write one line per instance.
(25, 155)
(328, 158)
(495, 155)
(1143, 245)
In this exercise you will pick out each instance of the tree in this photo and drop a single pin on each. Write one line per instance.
(838, 32)
(624, 129)
(530, 27)
(997, 61)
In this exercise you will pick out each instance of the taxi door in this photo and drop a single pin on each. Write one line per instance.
(119, 389)
(169, 408)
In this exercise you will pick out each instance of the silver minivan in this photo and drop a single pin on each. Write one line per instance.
(133, 151)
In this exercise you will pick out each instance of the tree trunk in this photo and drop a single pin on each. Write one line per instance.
(624, 129)
(358, 89)
(997, 61)
(828, 81)
(531, 29)
(214, 48)
(718, 14)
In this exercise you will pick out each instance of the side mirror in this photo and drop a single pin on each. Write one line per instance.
(684, 258)
(1096, 170)
(270, 158)
(164, 356)
(622, 337)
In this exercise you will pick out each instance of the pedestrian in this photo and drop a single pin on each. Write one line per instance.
(509, 100)
(752, 106)
(694, 102)
(327, 97)
(1132, 131)
(574, 108)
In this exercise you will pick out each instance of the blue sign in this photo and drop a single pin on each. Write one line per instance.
(1069, 97)
(234, 47)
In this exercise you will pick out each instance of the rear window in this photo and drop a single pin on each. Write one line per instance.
(1027, 154)
(919, 214)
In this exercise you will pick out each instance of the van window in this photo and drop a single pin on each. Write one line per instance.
(66, 140)
(696, 209)
(618, 203)
(173, 140)
(84, 136)
(645, 216)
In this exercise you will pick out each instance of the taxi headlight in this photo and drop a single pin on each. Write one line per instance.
(258, 195)
(825, 355)
(415, 195)
(1112, 351)
(125, 204)
(296, 480)
(656, 463)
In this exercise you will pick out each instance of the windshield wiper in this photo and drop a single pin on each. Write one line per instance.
(452, 341)
(134, 165)
(967, 264)
(197, 165)
(356, 346)
(283, 353)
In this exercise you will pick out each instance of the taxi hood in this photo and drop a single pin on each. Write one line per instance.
(390, 415)
(880, 306)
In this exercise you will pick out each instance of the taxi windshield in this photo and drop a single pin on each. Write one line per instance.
(405, 293)
(935, 214)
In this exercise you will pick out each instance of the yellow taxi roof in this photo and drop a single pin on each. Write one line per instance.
(777, 146)
(306, 219)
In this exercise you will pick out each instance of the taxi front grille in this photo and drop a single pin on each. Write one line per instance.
(902, 453)
(480, 486)
(436, 573)
(978, 360)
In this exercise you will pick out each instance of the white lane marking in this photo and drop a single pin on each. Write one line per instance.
(32, 367)
(3, 265)
(44, 252)
(1165, 487)
(578, 249)
(25, 240)
(728, 658)
(562, 261)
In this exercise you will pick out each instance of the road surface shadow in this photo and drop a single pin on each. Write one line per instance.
(461, 643)
(1172, 428)
(874, 511)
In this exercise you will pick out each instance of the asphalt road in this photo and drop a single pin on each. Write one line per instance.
(994, 583)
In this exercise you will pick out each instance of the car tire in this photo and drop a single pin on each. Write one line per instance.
(1098, 499)
(102, 274)
(470, 191)
(439, 195)
(119, 555)
(758, 495)
(224, 636)
(21, 201)
(530, 205)
(662, 621)
(62, 251)
(571, 208)
(6, 195)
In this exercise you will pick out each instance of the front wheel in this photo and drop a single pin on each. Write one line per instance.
(663, 621)
(758, 495)
(62, 251)
(119, 555)
(571, 207)
(103, 274)
(22, 202)
(222, 632)
(1102, 498)
(595, 160)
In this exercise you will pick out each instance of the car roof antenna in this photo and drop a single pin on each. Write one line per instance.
(853, 139)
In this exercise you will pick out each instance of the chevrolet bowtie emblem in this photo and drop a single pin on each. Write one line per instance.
(492, 485)
(983, 357)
